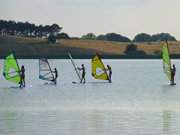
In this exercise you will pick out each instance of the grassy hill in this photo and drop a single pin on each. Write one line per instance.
(35, 48)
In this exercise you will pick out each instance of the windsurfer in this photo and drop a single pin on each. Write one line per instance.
(110, 73)
(173, 73)
(56, 75)
(83, 73)
(22, 77)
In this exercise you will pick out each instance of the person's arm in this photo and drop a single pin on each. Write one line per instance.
(79, 68)
(106, 69)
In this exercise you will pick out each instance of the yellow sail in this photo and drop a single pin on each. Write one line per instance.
(98, 69)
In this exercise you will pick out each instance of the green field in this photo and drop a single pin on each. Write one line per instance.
(36, 48)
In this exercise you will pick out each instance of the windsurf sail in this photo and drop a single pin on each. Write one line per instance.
(11, 71)
(98, 69)
(75, 67)
(166, 60)
(45, 72)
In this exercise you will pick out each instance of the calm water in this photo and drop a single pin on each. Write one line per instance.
(138, 102)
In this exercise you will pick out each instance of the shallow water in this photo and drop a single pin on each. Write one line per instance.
(138, 102)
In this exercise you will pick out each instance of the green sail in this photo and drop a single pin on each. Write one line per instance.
(11, 69)
(166, 60)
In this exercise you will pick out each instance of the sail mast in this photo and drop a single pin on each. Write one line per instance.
(75, 67)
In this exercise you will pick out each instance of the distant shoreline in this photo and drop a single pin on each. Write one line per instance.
(32, 48)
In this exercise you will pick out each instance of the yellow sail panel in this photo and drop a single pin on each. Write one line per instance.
(98, 69)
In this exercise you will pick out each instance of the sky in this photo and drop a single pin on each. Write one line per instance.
(79, 17)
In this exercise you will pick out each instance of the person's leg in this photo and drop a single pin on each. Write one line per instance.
(82, 77)
(110, 78)
(173, 80)
(84, 80)
(20, 83)
(55, 81)
(24, 82)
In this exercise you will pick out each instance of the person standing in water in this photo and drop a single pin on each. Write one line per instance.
(22, 77)
(173, 73)
(56, 76)
(110, 73)
(83, 73)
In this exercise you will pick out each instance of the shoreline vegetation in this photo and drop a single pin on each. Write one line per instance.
(31, 41)
(34, 48)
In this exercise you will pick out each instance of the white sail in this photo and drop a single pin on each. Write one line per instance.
(45, 72)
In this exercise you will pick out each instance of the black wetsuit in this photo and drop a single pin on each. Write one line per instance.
(110, 74)
(56, 73)
(56, 76)
(83, 74)
(22, 77)
(173, 73)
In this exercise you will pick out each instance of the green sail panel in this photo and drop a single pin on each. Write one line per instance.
(11, 69)
(166, 60)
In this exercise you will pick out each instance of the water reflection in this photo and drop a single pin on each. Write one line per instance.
(97, 122)
(136, 103)
(166, 111)
(8, 122)
(166, 116)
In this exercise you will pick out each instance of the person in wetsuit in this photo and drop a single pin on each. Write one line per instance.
(110, 73)
(83, 80)
(56, 76)
(22, 77)
(173, 73)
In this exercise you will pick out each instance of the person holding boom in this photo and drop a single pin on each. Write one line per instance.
(22, 77)
(83, 73)
(110, 73)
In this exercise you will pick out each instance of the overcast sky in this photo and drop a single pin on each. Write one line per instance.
(78, 17)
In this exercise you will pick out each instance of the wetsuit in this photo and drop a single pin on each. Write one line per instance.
(22, 77)
(173, 73)
(110, 74)
(56, 76)
(83, 75)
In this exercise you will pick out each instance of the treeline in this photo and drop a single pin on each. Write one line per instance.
(107, 37)
(28, 29)
(142, 37)
(52, 32)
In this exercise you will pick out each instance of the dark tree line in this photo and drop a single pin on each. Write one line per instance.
(107, 37)
(142, 37)
(28, 29)
(32, 30)
(113, 37)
